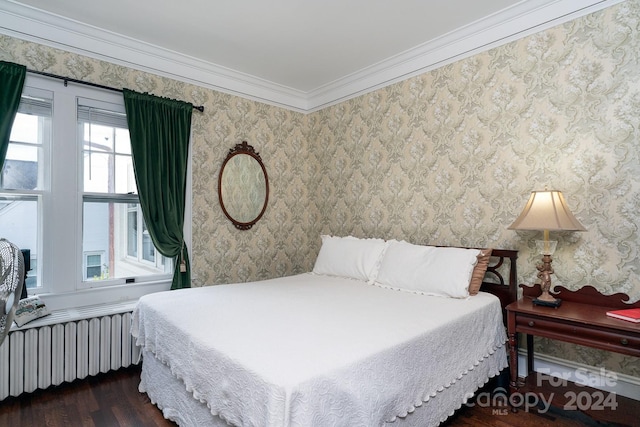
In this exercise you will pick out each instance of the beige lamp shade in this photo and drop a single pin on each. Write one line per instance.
(547, 210)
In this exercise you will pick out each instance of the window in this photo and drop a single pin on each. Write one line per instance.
(68, 193)
(112, 220)
(22, 181)
(94, 266)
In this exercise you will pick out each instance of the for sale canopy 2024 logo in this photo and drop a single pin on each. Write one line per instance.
(500, 401)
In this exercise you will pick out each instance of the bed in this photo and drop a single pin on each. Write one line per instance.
(378, 333)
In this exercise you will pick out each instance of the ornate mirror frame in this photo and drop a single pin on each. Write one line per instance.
(238, 150)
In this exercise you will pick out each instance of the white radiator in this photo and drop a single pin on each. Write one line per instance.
(53, 353)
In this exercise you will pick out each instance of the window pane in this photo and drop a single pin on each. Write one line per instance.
(32, 274)
(31, 130)
(19, 225)
(148, 250)
(94, 273)
(98, 176)
(123, 143)
(125, 178)
(108, 228)
(132, 233)
(108, 166)
(25, 129)
(98, 138)
(20, 171)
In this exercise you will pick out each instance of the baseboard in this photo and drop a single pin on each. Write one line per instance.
(599, 378)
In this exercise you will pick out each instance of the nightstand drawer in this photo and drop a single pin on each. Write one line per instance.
(594, 336)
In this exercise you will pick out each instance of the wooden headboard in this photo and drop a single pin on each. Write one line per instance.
(506, 291)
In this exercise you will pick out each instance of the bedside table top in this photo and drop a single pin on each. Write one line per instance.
(580, 319)
(588, 314)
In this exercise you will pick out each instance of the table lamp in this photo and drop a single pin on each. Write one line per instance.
(547, 211)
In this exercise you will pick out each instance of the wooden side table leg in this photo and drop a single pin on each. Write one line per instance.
(513, 366)
(513, 362)
(513, 355)
(529, 354)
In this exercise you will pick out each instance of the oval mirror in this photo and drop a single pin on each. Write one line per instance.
(243, 186)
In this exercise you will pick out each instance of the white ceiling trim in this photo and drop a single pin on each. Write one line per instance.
(38, 26)
(524, 18)
(521, 20)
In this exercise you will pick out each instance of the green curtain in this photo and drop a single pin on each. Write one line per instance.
(11, 83)
(159, 130)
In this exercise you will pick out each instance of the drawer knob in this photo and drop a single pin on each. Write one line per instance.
(624, 341)
(532, 323)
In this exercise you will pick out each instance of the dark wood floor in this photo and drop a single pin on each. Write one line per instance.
(113, 399)
(106, 400)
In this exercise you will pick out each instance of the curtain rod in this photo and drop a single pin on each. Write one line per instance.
(68, 79)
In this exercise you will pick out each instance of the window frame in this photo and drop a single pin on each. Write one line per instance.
(110, 117)
(37, 194)
(86, 264)
(61, 260)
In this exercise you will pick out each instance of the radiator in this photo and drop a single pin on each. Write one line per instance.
(38, 357)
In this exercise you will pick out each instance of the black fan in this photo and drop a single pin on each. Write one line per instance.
(11, 282)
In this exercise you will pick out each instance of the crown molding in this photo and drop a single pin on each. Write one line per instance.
(35, 25)
(520, 20)
(524, 18)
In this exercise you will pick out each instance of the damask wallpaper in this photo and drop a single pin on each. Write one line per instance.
(448, 157)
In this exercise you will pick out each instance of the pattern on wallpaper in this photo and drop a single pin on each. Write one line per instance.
(451, 156)
(447, 157)
(282, 243)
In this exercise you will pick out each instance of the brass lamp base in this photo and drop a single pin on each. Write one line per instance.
(545, 272)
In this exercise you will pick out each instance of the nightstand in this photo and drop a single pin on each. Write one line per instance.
(581, 319)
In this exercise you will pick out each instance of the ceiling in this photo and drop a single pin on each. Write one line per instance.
(299, 54)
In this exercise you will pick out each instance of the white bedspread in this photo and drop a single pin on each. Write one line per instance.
(312, 350)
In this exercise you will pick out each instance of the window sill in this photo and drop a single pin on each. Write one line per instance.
(100, 296)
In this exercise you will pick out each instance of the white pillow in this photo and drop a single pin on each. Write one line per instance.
(427, 270)
(350, 257)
